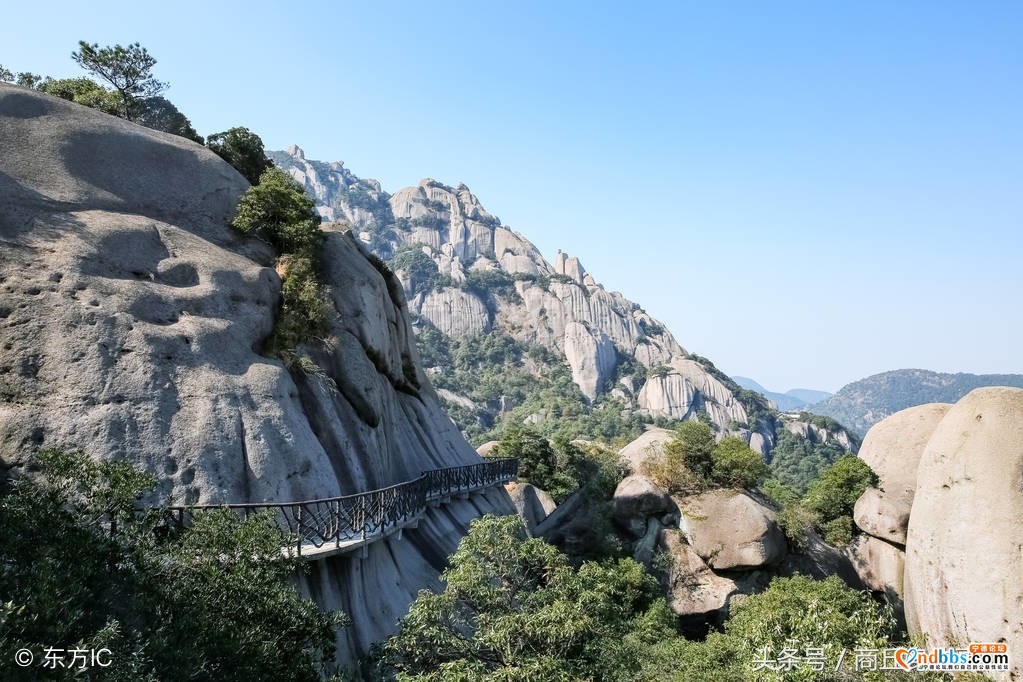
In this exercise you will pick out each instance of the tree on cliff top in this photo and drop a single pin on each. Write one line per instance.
(127, 69)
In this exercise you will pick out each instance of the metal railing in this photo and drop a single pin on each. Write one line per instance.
(368, 516)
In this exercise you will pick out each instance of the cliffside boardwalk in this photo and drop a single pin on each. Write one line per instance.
(338, 525)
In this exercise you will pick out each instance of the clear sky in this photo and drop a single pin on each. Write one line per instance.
(805, 192)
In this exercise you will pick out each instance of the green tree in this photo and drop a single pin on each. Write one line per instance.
(127, 69)
(278, 210)
(243, 149)
(538, 461)
(83, 91)
(160, 114)
(736, 465)
(839, 486)
(214, 601)
(514, 609)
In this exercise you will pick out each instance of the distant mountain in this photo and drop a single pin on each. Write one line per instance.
(863, 403)
(796, 399)
(507, 335)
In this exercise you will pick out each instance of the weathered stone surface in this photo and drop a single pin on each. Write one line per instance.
(636, 499)
(819, 434)
(880, 565)
(693, 589)
(882, 515)
(649, 444)
(591, 355)
(131, 322)
(487, 448)
(964, 548)
(729, 529)
(455, 312)
(892, 448)
(533, 504)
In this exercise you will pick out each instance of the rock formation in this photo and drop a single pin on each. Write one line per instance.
(964, 547)
(558, 306)
(131, 321)
(950, 490)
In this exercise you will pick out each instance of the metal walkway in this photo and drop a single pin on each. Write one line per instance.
(338, 525)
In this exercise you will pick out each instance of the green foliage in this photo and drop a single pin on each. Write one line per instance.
(796, 461)
(419, 268)
(160, 114)
(839, 486)
(85, 92)
(735, 465)
(513, 608)
(692, 462)
(487, 283)
(211, 602)
(127, 69)
(838, 532)
(304, 307)
(539, 463)
(279, 211)
(243, 149)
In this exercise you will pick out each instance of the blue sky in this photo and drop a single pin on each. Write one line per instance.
(806, 193)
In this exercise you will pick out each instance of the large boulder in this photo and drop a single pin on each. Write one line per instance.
(879, 565)
(882, 515)
(964, 548)
(636, 499)
(893, 446)
(693, 589)
(729, 529)
(650, 444)
(533, 504)
(892, 449)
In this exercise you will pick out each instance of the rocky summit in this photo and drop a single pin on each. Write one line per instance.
(131, 323)
(465, 273)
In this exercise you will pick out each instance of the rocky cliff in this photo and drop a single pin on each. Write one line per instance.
(465, 274)
(943, 538)
(131, 323)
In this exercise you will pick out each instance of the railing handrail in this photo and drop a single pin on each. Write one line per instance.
(329, 519)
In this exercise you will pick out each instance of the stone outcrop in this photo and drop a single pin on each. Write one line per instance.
(693, 588)
(731, 530)
(636, 499)
(964, 547)
(132, 317)
(591, 355)
(882, 515)
(532, 504)
(879, 565)
(455, 312)
(650, 444)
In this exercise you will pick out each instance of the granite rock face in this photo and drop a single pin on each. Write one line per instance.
(131, 320)
(731, 530)
(964, 547)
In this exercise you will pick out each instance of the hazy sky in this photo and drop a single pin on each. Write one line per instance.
(806, 193)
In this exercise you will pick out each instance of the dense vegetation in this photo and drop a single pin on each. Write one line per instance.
(278, 211)
(863, 403)
(513, 608)
(532, 383)
(693, 462)
(797, 461)
(828, 503)
(211, 602)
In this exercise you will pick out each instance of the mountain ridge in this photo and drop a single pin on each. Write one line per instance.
(862, 403)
